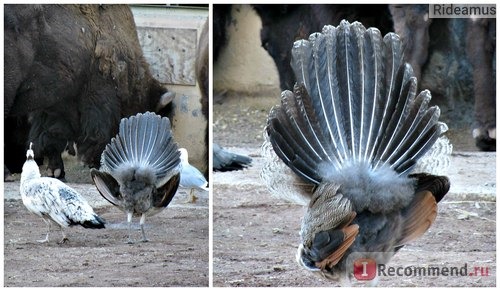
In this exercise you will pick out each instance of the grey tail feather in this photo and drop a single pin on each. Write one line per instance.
(354, 101)
(144, 139)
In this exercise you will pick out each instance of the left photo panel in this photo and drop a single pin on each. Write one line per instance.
(106, 145)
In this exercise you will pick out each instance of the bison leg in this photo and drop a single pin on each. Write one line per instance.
(7, 177)
(480, 51)
(56, 166)
(202, 68)
(52, 149)
(412, 23)
(50, 134)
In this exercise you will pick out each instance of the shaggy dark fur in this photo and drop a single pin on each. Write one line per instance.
(74, 71)
(202, 69)
(284, 24)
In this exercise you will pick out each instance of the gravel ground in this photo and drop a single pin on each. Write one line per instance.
(256, 235)
(176, 254)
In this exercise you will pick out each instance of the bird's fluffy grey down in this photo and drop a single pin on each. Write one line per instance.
(379, 191)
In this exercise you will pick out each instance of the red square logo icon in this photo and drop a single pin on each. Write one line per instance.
(365, 269)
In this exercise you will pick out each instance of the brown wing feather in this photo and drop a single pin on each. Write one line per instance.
(164, 195)
(107, 186)
(350, 233)
(422, 211)
(419, 216)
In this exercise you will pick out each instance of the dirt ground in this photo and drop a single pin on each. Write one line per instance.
(176, 254)
(255, 235)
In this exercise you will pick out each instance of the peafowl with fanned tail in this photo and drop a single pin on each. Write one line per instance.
(349, 142)
(140, 168)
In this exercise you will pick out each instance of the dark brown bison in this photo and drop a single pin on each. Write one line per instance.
(283, 24)
(412, 22)
(71, 73)
(481, 36)
(202, 76)
(221, 19)
(456, 60)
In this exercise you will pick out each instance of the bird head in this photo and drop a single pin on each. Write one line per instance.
(327, 231)
(30, 155)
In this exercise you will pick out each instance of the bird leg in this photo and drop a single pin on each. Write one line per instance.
(192, 198)
(143, 219)
(48, 231)
(129, 222)
(64, 238)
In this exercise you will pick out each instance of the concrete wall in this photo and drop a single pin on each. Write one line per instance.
(169, 39)
(244, 66)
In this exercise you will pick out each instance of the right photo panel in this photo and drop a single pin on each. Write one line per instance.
(354, 145)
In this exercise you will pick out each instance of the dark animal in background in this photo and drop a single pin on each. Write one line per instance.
(454, 85)
(352, 132)
(221, 20)
(481, 48)
(411, 23)
(224, 161)
(283, 24)
(140, 168)
(448, 75)
(72, 71)
(54, 201)
(202, 69)
(16, 130)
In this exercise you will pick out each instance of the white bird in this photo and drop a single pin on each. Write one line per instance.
(54, 201)
(191, 177)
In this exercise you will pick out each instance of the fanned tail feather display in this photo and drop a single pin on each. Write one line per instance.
(144, 140)
(355, 102)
